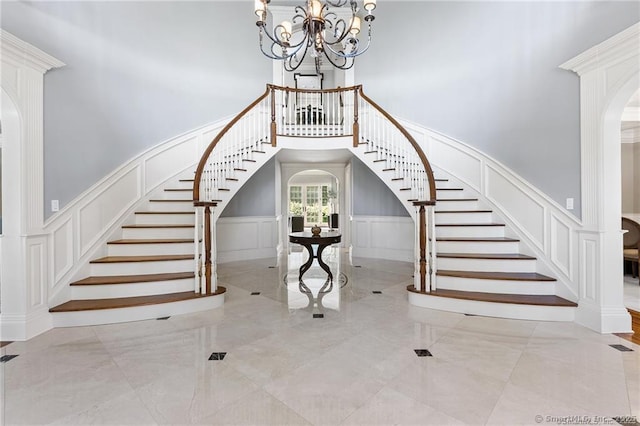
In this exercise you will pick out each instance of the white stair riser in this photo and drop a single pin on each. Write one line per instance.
(467, 217)
(134, 268)
(451, 193)
(170, 206)
(456, 205)
(490, 309)
(496, 286)
(177, 195)
(477, 246)
(165, 219)
(108, 291)
(157, 233)
(182, 185)
(487, 265)
(110, 316)
(149, 249)
(470, 231)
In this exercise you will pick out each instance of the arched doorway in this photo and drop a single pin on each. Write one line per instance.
(313, 199)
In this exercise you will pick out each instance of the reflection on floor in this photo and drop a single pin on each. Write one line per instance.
(274, 355)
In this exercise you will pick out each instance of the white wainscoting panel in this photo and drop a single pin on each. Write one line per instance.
(561, 249)
(522, 209)
(108, 206)
(589, 267)
(383, 237)
(240, 238)
(62, 249)
(36, 271)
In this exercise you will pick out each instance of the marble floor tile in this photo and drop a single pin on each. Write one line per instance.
(320, 356)
(193, 394)
(468, 396)
(389, 407)
(598, 390)
(257, 408)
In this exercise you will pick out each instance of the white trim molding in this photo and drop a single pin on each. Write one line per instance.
(609, 75)
(25, 265)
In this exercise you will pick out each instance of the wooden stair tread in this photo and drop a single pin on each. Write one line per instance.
(477, 239)
(191, 180)
(152, 241)
(166, 212)
(158, 226)
(129, 302)
(519, 299)
(128, 279)
(151, 258)
(511, 276)
(179, 190)
(500, 256)
(464, 211)
(469, 224)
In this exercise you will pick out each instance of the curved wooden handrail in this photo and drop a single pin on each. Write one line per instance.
(214, 142)
(338, 89)
(413, 142)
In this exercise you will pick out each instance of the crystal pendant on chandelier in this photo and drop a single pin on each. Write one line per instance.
(321, 32)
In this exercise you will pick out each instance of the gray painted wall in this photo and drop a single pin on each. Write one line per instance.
(137, 73)
(365, 184)
(257, 197)
(486, 73)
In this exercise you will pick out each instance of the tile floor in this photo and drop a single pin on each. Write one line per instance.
(355, 365)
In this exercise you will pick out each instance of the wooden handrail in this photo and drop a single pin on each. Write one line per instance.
(339, 89)
(214, 142)
(414, 144)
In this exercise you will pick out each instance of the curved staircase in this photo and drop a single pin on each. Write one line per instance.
(147, 273)
(481, 269)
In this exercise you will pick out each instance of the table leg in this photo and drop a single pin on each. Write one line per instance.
(322, 264)
(304, 268)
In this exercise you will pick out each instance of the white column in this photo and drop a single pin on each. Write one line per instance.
(25, 250)
(609, 75)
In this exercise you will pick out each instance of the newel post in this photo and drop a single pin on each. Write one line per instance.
(420, 275)
(208, 237)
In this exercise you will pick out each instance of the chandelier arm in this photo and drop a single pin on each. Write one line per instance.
(356, 51)
(348, 62)
(292, 62)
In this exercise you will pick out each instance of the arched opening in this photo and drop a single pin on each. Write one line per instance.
(630, 165)
(313, 199)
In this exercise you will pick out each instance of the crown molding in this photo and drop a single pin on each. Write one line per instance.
(621, 46)
(22, 53)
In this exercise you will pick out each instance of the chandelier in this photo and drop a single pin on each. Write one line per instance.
(322, 33)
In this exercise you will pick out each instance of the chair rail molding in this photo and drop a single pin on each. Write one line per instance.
(609, 75)
(25, 252)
